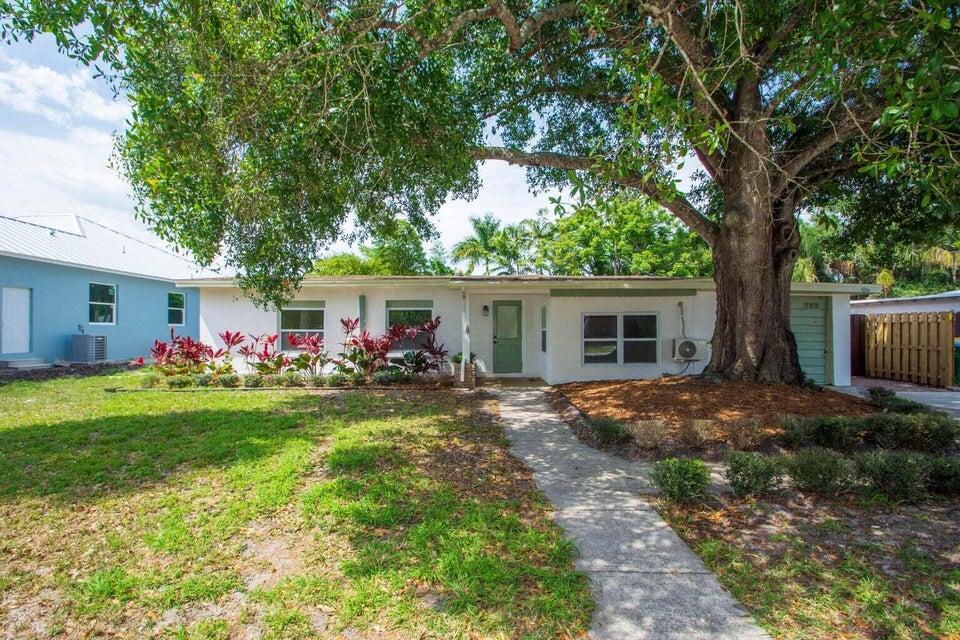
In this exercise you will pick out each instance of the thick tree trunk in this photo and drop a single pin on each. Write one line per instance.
(753, 258)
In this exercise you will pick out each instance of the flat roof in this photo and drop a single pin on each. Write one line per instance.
(946, 295)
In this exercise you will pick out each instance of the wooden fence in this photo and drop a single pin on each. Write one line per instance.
(910, 347)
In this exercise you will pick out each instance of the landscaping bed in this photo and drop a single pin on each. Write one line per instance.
(287, 514)
(77, 369)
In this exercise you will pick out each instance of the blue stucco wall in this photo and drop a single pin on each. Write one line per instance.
(59, 303)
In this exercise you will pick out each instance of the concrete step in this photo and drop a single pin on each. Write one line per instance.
(24, 363)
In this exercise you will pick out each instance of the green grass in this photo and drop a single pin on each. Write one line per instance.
(197, 515)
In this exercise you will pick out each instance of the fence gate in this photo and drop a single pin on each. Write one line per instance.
(911, 347)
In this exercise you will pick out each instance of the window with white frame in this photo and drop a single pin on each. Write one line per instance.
(176, 309)
(543, 329)
(620, 338)
(301, 321)
(103, 303)
(410, 313)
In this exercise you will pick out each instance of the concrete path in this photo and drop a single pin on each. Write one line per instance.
(647, 582)
(943, 399)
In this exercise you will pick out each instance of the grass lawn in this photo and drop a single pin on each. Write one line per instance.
(271, 515)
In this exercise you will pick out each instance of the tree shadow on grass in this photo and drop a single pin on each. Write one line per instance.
(78, 459)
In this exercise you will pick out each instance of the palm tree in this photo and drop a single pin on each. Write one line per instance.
(478, 247)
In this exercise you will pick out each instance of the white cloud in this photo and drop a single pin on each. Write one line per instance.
(61, 98)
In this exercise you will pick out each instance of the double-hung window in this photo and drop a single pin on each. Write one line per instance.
(103, 303)
(301, 320)
(410, 313)
(176, 309)
(620, 338)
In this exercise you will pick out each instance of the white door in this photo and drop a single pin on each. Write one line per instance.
(14, 320)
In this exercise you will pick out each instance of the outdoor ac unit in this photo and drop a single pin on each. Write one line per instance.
(684, 349)
(87, 348)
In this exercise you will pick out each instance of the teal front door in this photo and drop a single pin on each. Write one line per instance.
(507, 336)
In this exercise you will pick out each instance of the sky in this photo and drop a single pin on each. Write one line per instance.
(57, 132)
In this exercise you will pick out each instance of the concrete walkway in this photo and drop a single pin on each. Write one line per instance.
(647, 582)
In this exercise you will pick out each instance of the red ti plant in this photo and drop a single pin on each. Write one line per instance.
(221, 360)
(313, 357)
(262, 355)
(181, 355)
(362, 352)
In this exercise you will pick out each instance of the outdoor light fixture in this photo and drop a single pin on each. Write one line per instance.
(485, 310)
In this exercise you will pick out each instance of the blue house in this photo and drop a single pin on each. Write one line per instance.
(72, 289)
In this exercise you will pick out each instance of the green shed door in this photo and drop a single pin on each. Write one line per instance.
(808, 321)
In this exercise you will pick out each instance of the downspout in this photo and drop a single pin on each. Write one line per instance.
(465, 334)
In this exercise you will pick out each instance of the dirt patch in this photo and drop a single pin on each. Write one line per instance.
(72, 371)
(678, 399)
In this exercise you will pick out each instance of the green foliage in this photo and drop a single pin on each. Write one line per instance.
(753, 473)
(228, 380)
(181, 381)
(337, 380)
(920, 431)
(609, 431)
(291, 379)
(391, 375)
(202, 380)
(150, 380)
(944, 475)
(681, 481)
(316, 381)
(457, 358)
(897, 475)
(820, 470)
(834, 432)
(253, 381)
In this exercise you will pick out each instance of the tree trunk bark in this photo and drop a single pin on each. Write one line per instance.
(753, 262)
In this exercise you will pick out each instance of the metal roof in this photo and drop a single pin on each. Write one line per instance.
(81, 242)
(946, 295)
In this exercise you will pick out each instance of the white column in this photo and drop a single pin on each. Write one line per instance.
(840, 339)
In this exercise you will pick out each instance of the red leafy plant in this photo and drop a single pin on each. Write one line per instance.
(184, 355)
(362, 352)
(261, 354)
(312, 357)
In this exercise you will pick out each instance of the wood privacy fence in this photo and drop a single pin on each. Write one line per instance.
(910, 347)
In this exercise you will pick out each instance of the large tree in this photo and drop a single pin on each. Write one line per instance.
(258, 126)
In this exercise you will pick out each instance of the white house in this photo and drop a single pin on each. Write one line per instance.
(947, 301)
(558, 328)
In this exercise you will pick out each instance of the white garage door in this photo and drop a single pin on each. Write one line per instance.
(808, 321)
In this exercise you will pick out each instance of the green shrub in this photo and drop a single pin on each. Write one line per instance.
(316, 381)
(270, 380)
(695, 434)
(920, 431)
(228, 380)
(898, 475)
(253, 380)
(753, 473)
(150, 380)
(203, 379)
(744, 434)
(649, 434)
(457, 358)
(820, 470)
(833, 432)
(681, 481)
(880, 396)
(181, 381)
(337, 380)
(944, 476)
(609, 431)
(357, 379)
(291, 379)
(391, 375)
(889, 401)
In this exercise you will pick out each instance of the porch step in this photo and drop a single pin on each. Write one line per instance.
(24, 363)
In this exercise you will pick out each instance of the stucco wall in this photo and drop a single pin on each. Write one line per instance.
(481, 331)
(60, 303)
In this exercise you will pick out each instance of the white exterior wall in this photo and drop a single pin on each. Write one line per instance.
(481, 331)
(565, 334)
(840, 339)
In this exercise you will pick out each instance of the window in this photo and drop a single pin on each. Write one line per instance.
(176, 306)
(300, 321)
(620, 338)
(543, 329)
(103, 303)
(411, 313)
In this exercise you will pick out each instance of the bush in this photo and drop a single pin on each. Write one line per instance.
(228, 380)
(681, 481)
(609, 431)
(920, 431)
(944, 476)
(358, 379)
(695, 434)
(391, 375)
(457, 358)
(181, 381)
(291, 379)
(649, 434)
(753, 473)
(336, 380)
(744, 434)
(898, 475)
(150, 380)
(253, 380)
(316, 381)
(203, 379)
(880, 396)
(833, 432)
(888, 401)
(820, 470)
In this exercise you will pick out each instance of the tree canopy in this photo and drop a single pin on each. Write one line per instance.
(399, 252)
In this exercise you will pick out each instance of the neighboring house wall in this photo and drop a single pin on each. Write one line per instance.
(906, 306)
(60, 305)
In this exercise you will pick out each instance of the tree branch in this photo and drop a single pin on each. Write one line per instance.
(766, 47)
(678, 206)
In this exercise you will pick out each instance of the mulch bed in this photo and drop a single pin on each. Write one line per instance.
(676, 399)
(70, 371)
